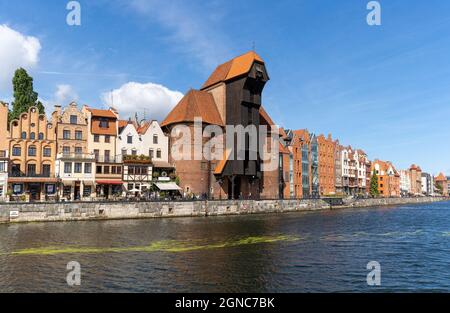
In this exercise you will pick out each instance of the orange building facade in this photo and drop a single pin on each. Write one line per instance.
(327, 176)
(32, 150)
(388, 178)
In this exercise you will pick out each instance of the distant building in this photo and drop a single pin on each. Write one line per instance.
(327, 148)
(405, 182)
(338, 168)
(427, 184)
(388, 178)
(415, 173)
(441, 182)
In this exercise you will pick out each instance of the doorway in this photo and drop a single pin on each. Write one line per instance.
(35, 192)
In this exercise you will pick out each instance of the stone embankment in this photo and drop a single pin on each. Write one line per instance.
(52, 212)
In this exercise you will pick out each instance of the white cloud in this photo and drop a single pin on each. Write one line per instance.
(16, 50)
(153, 99)
(65, 94)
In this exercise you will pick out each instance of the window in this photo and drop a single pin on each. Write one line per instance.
(47, 152)
(66, 134)
(46, 170)
(24, 135)
(107, 138)
(32, 151)
(17, 151)
(2, 167)
(130, 139)
(87, 168)
(106, 155)
(15, 169)
(113, 170)
(98, 170)
(41, 136)
(106, 170)
(66, 150)
(67, 191)
(119, 170)
(158, 154)
(151, 153)
(124, 151)
(33, 136)
(68, 167)
(73, 119)
(78, 135)
(103, 123)
(17, 189)
(96, 138)
(50, 189)
(134, 152)
(78, 150)
(77, 168)
(155, 139)
(31, 169)
(87, 190)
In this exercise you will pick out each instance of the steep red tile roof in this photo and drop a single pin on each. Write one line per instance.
(102, 113)
(236, 67)
(195, 103)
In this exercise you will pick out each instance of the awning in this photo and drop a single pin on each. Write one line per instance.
(109, 182)
(168, 186)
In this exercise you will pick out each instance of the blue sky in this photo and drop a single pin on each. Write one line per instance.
(384, 89)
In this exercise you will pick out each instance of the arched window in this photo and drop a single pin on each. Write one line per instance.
(41, 136)
(24, 135)
(32, 151)
(32, 136)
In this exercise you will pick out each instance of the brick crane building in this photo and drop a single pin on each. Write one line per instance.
(231, 96)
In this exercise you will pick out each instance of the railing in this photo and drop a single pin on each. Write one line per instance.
(32, 175)
(103, 159)
(84, 156)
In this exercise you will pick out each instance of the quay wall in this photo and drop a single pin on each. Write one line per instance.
(77, 211)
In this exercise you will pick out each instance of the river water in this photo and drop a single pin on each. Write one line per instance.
(299, 252)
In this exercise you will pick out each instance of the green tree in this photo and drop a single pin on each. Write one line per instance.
(374, 192)
(24, 95)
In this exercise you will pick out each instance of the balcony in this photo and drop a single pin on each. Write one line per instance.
(31, 175)
(76, 156)
(109, 160)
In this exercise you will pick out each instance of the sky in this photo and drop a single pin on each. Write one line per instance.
(384, 89)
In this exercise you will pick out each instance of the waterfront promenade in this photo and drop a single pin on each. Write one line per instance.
(80, 211)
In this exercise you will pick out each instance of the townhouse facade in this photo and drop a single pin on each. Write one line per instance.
(102, 142)
(75, 163)
(388, 178)
(32, 150)
(327, 172)
(427, 184)
(405, 182)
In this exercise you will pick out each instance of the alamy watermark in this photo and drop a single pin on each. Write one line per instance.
(374, 16)
(74, 16)
(374, 276)
(73, 277)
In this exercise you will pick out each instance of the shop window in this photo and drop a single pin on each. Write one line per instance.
(67, 191)
(50, 189)
(87, 190)
(17, 189)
